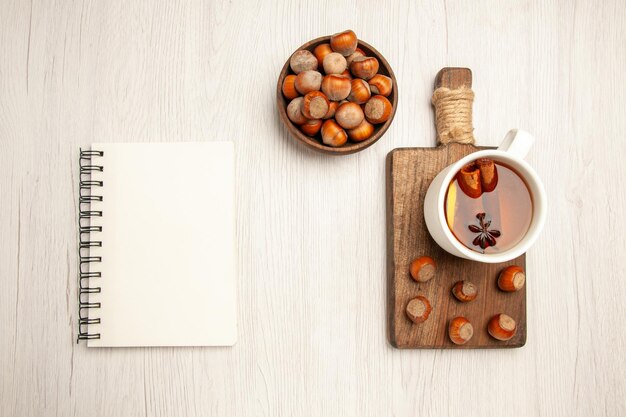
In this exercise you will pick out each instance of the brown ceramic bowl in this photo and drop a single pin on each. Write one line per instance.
(315, 142)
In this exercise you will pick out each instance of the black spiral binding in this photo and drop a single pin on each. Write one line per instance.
(86, 197)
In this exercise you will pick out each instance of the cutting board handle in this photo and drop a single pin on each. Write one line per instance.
(453, 99)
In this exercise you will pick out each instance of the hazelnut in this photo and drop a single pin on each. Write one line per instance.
(361, 132)
(315, 105)
(381, 84)
(353, 55)
(460, 330)
(308, 81)
(320, 52)
(303, 61)
(289, 87)
(364, 67)
(422, 269)
(334, 63)
(311, 127)
(464, 291)
(294, 111)
(349, 115)
(336, 87)
(511, 279)
(377, 109)
(360, 91)
(502, 327)
(332, 108)
(344, 42)
(418, 309)
(332, 134)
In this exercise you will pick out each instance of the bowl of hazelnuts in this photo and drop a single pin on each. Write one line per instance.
(337, 94)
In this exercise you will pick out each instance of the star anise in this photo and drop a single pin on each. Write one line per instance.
(485, 236)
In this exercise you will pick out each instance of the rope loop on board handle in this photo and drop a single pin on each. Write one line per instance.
(453, 115)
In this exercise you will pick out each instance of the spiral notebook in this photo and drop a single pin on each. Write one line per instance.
(157, 247)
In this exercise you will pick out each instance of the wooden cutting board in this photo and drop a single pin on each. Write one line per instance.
(409, 173)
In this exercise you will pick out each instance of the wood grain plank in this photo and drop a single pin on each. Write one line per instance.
(311, 229)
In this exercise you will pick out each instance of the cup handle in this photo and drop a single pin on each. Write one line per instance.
(517, 142)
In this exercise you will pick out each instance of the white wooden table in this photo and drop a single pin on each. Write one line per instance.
(311, 228)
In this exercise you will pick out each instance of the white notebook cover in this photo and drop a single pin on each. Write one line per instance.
(168, 251)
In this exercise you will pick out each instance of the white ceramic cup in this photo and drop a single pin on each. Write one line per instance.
(511, 152)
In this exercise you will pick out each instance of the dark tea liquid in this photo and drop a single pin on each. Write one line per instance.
(495, 221)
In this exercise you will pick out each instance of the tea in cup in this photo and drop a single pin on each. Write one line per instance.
(490, 205)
